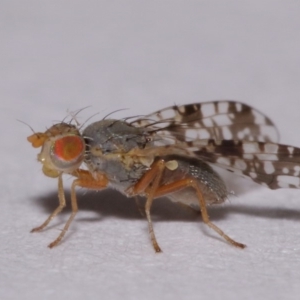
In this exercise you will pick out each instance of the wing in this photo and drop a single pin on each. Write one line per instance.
(273, 165)
(229, 134)
(218, 120)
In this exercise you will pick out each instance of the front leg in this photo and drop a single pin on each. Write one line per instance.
(85, 180)
(62, 204)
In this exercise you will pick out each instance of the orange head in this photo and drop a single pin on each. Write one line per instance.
(63, 149)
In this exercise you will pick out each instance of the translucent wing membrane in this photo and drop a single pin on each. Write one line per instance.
(274, 165)
(219, 120)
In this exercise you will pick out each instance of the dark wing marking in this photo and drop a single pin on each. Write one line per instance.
(273, 165)
(218, 120)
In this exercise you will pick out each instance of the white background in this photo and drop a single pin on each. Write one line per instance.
(144, 55)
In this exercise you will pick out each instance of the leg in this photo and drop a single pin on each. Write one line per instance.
(139, 206)
(62, 204)
(190, 182)
(153, 176)
(74, 211)
(84, 179)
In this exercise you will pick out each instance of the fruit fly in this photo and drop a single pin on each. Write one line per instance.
(168, 153)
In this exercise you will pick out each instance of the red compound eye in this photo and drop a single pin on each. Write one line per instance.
(68, 148)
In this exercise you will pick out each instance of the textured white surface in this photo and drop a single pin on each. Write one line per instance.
(144, 55)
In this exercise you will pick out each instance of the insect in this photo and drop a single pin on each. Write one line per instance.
(168, 153)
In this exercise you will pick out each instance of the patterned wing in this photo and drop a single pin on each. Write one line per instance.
(231, 135)
(218, 120)
(273, 165)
